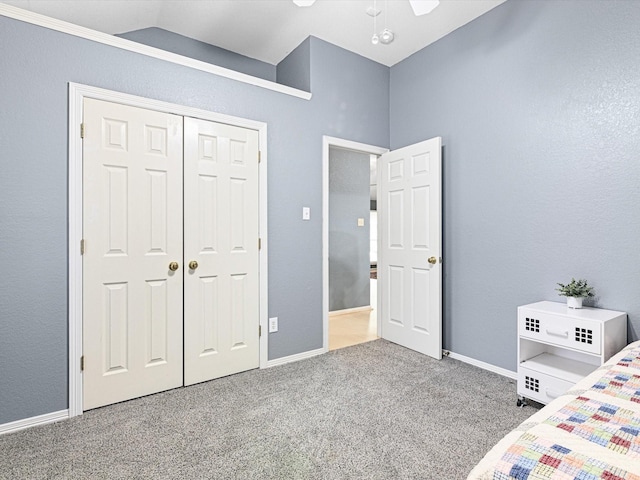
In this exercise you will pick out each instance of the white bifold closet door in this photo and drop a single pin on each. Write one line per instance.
(221, 244)
(132, 229)
(136, 200)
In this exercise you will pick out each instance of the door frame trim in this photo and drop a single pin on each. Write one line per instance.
(77, 94)
(327, 142)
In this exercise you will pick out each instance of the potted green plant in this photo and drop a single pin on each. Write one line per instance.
(575, 291)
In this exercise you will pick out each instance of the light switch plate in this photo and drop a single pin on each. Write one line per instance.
(361, 222)
(273, 324)
(306, 213)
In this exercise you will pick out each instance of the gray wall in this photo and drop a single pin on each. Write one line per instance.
(349, 199)
(345, 105)
(538, 104)
(173, 42)
(295, 69)
(36, 66)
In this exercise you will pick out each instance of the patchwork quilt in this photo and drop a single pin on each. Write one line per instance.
(592, 432)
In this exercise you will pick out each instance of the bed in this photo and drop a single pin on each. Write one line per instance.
(591, 432)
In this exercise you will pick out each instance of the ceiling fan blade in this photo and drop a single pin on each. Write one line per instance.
(422, 7)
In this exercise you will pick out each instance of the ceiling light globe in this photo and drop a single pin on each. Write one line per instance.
(386, 36)
(375, 39)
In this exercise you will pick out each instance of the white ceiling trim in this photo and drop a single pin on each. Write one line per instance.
(124, 44)
(268, 30)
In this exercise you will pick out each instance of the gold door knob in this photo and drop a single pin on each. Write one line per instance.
(193, 264)
(173, 266)
(432, 260)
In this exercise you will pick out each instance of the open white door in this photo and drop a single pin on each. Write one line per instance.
(409, 263)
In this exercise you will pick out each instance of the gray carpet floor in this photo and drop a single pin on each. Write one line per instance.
(372, 411)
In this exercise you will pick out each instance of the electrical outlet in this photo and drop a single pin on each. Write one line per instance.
(273, 324)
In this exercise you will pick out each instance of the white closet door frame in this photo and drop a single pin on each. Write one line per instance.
(77, 94)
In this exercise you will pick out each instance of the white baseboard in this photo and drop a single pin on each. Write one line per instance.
(485, 366)
(296, 357)
(347, 311)
(33, 421)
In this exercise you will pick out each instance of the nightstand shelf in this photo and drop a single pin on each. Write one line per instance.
(558, 346)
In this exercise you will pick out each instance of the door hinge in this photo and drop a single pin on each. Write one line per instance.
(82, 247)
(82, 363)
(259, 156)
(82, 130)
(259, 244)
(259, 330)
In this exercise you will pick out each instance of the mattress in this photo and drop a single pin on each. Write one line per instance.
(591, 432)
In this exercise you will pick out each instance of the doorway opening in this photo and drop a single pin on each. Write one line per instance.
(409, 259)
(352, 248)
(351, 298)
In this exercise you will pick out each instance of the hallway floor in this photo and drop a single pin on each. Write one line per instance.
(349, 329)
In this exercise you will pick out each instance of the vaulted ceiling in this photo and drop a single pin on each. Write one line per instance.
(268, 30)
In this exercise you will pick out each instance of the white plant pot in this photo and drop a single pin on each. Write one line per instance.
(574, 302)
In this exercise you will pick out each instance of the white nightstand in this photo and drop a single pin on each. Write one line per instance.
(558, 346)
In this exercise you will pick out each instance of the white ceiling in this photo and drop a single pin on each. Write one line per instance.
(268, 30)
